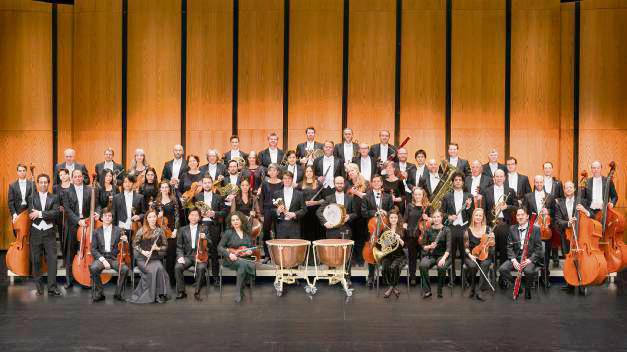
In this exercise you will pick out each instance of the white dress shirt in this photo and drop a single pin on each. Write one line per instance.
(540, 197)
(235, 153)
(348, 151)
(339, 198)
(176, 167)
(498, 193)
(384, 152)
(522, 234)
(43, 225)
(208, 199)
(570, 205)
(476, 182)
(365, 167)
(212, 169)
(288, 192)
(512, 181)
(193, 230)
(493, 167)
(377, 198)
(273, 155)
(106, 232)
(128, 201)
(328, 161)
(310, 145)
(108, 165)
(79, 196)
(434, 180)
(458, 195)
(233, 179)
(420, 170)
(70, 167)
(453, 161)
(548, 184)
(22, 184)
(293, 169)
(597, 193)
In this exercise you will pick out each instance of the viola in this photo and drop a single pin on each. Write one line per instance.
(482, 250)
(202, 246)
(544, 220)
(124, 254)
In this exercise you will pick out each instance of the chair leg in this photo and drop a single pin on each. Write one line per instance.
(462, 273)
(376, 274)
(407, 279)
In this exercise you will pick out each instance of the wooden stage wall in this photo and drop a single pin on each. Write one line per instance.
(257, 66)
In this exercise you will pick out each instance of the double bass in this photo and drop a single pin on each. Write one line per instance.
(84, 258)
(613, 223)
(585, 263)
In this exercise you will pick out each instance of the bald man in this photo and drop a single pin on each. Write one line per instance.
(477, 181)
(175, 168)
(595, 189)
(70, 164)
(431, 181)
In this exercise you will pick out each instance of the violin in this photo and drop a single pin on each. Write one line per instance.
(193, 190)
(202, 245)
(423, 224)
(124, 254)
(482, 250)
(241, 251)
(544, 220)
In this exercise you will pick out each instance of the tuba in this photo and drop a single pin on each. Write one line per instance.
(444, 187)
(388, 243)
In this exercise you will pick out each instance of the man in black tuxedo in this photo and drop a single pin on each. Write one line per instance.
(272, 154)
(308, 146)
(128, 206)
(454, 160)
(419, 171)
(552, 185)
(543, 204)
(515, 244)
(235, 151)
(104, 249)
(212, 218)
(518, 182)
(367, 164)
(19, 193)
(595, 190)
(109, 164)
(477, 181)
(215, 169)
(383, 151)
(431, 181)
(406, 169)
(187, 241)
(329, 163)
(291, 209)
(70, 164)
(78, 202)
(293, 166)
(346, 200)
(457, 206)
(44, 211)
(175, 168)
(493, 164)
(347, 150)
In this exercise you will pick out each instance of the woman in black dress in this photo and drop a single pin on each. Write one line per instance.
(149, 189)
(267, 189)
(254, 172)
(107, 190)
(170, 209)
(357, 186)
(191, 175)
(244, 201)
(436, 249)
(311, 228)
(138, 168)
(472, 238)
(416, 213)
(393, 184)
(61, 190)
(236, 236)
(393, 262)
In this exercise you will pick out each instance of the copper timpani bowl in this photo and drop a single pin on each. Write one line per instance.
(333, 252)
(288, 253)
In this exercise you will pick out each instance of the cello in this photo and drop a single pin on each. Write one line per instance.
(613, 224)
(376, 225)
(83, 259)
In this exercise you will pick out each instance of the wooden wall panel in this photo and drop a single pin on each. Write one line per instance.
(25, 102)
(260, 86)
(535, 84)
(423, 76)
(372, 58)
(154, 79)
(97, 81)
(209, 75)
(478, 77)
(315, 69)
(603, 126)
(567, 44)
(65, 49)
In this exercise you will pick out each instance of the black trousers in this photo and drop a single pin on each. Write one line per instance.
(71, 247)
(170, 260)
(96, 269)
(427, 263)
(214, 240)
(457, 244)
(501, 232)
(412, 255)
(530, 272)
(268, 219)
(359, 232)
(473, 269)
(179, 273)
(41, 241)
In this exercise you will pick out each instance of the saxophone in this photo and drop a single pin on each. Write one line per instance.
(444, 187)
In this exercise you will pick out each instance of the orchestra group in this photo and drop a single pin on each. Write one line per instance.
(486, 218)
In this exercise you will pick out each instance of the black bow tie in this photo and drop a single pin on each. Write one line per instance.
(522, 229)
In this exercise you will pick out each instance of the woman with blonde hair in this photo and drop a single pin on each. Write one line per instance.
(472, 238)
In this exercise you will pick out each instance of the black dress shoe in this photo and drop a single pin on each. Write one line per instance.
(197, 296)
(472, 294)
(98, 298)
(165, 297)
(54, 292)
(479, 297)
(412, 281)
(427, 294)
(160, 300)
(440, 293)
(527, 293)
(180, 295)
(40, 289)
(68, 285)
(119, 298)
(370, 282)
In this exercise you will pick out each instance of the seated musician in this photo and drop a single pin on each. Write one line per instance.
(233, 238)
(515, 246)
(393, 262)
(290, 209)
(436, 249)
(188, 245)
(541, 203)
(104, 248)
(472, 238)
(375, 202)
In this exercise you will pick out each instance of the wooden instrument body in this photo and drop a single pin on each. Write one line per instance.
(482, 250)
(376, 226)
(124, 253)
(83, 258)
(202, 255)
(544, 221)
(612, 244)
(585, 264)
(18, 255)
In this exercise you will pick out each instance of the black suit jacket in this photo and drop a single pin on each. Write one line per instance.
(217, 205)
(98, 243)
(349, 205)
(77, 166)
(557, 191)
(119, 207)
(425, 183)
(227, 156)
(15, 197)
(484, 182)
(71, 204)
(588, 192)
(264, 157)
(220, 170)
(488, 172)
(523, 187)
(49, 212)
(462, 166)
(535, 252)
(184, 241)
(414, 180)
(166, 174)
(116, 167)
(338, 152)
(375, 152)
(448, 205)
(300, 172)
(227, 179)
(338, 167)
(369, 204)
(529, 202)
(489, 202)
(301, 149)
(290, 228)
(373, 165)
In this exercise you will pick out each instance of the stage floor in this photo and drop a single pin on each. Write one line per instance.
(552, 320)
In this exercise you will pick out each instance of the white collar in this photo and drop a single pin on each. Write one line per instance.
(499, 187)
(22, 181)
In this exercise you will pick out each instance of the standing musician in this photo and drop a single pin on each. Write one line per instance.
(554, 187)
(233, 238)
(128, 206)
(170, 209)
(515, 245)
(272, 154)
(383, 151)
(173, 169)
(150, 245)
(106, 190)
(430, 182)
(415, 222)
(541, 203)
(348, 149)
(293, 166)
(244, 201)
(332, 164)
(187, 248)
(70, 164)
(519, 183)
(214, 168)
(78, 199)
(266, 192)
(393, 184)
(304, 151)
(477, 182)
(19, 193)
(109, 164)
(254, 172)
(150, 188)
(472, 238)
(292, 209)
(43, 211)
(499, 202)
(375, 201)
(60, 190)
(436, 249)
(393, 262)
(104, 249)
(405, 169)
(232, 177)
(595, 189)
(565, 216)
(420, 171)
(345, 200)
(192, 174)
(457, 207)
(493, 164)
(311, 229)
(139, 165)
(367, 165)
(356, 185)
(235, 152)
(454, 160)
(212, 217)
